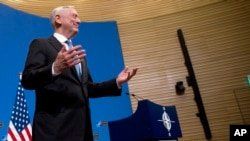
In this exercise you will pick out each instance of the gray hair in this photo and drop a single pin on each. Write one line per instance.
(58, 11)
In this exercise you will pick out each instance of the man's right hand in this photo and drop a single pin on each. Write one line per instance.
(68, 58)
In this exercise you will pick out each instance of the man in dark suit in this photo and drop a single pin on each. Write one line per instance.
(58, 73)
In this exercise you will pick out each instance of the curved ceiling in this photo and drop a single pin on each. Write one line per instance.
(119, 10)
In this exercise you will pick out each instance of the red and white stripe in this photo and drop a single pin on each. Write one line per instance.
(13, 135)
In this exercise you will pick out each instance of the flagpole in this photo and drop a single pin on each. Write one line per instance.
(20, 75)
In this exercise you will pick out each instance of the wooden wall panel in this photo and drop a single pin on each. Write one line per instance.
(118, 10)
(243, 97)
(218, 39)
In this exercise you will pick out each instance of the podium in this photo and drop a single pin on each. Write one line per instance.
(150, 122)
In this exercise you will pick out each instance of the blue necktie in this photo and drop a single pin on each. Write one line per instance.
(77, 66)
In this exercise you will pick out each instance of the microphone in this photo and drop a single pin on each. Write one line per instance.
(102, 123)
(138, 98)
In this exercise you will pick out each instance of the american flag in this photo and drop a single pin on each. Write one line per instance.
(19, 126)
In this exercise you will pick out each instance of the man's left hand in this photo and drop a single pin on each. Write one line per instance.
(125, 75)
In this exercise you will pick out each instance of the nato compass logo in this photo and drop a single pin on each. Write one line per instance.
(166, 121)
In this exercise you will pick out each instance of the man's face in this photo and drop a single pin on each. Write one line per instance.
(69, 21)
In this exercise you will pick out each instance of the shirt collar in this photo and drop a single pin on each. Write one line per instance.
(61, 38)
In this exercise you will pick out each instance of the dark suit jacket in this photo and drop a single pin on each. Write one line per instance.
(62, 106)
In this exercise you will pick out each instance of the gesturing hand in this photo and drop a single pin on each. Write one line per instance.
(68, 58)
(125, 75)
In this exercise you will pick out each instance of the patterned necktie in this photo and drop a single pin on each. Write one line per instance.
(77, 66)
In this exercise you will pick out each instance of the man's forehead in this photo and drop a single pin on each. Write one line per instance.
(69, 11)
(73, 10)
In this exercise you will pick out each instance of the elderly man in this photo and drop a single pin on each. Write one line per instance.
(58, 73)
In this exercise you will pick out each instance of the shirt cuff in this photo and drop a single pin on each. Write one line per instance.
(54, 73)
(118, 86)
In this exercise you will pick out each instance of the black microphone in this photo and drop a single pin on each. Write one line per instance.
(138, 98)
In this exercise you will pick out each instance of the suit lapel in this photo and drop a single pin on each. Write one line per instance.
(84, 70)
(84, 77)
(55, 43)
